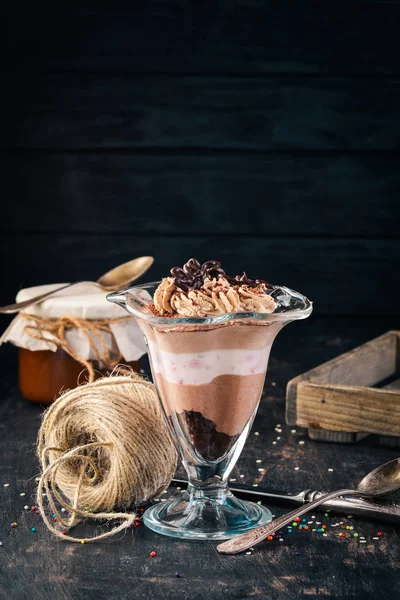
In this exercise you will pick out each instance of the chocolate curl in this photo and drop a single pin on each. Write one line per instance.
(193, 274)
(246, 281)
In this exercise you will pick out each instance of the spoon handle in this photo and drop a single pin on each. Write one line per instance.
(254, 536)
(14, 308)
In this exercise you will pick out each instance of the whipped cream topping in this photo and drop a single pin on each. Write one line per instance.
(214, 297)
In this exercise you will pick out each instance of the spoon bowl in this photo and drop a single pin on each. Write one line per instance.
(123, 275)
(381, 481)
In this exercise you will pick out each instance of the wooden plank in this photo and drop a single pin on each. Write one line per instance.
(365, 365)
(254, 195)
(228, 37)
(67, 110)
(348, 408)
(335, 274)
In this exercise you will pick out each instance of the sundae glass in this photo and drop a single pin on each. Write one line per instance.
(209, 338)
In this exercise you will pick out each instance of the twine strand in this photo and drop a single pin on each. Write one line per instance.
(92, 329)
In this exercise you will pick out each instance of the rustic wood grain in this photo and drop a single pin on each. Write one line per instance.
(348, 408)
(71, 111)
(187, 193)
(224, 37)
(366, 365)
(36, 566)
(335, 274)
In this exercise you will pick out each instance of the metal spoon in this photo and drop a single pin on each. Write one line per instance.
(117, 278)
(381, 481)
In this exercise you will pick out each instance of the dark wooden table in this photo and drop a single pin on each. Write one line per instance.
(37, 566)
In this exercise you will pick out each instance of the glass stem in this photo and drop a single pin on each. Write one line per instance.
(207, 481)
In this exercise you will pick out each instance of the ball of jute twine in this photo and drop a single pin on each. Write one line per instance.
(103, 446)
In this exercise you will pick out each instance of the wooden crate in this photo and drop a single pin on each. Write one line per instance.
(351, 396)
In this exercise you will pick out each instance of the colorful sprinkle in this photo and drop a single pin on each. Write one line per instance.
(82, 541)
(326, 515)
(323, 526)
(34, 529)
(153, 554)
(306, 527)
(259, 502)
(270, 537)
(294, 524)
(355, 535)
(379, 534)
(33, 508)
(290, 530)
(13, 525)
(64, 533)
(22, 494)
(347, 526)
(26, 507)
(297, 519)
(177, 574)
(297, 553)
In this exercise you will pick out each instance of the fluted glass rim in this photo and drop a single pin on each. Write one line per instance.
(291, 305)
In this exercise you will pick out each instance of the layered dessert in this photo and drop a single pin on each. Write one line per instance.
(210, 374)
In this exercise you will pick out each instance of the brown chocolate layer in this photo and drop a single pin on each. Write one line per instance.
(228, 400)
(208, 442)
(233, 335)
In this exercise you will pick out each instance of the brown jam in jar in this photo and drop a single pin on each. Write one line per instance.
(44, 375)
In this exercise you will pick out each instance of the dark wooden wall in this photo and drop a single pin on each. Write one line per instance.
(264, 134)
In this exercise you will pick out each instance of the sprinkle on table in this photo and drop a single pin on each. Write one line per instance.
(177, 574)
(26, 507)
(33, 529)
(6, 485)
(153, 553)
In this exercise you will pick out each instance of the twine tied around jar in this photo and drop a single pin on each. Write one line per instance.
(93, 329)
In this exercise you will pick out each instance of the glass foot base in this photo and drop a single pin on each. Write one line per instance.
(205, 518)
